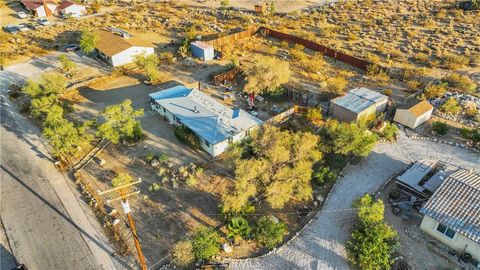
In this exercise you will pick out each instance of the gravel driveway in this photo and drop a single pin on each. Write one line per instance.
(321, 245)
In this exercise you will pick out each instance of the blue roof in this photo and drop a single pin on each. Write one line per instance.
(177, 91)
(208, 118)
(359, 99)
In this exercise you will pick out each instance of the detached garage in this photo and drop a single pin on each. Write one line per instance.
(413, 113)
(202, 50)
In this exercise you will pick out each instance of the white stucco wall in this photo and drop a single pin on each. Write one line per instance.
(406, 118)
(127, 56)
(459, 243)
(75, 9)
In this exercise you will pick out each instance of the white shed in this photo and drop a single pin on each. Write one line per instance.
(119, 50)
(68, 7)
(413, 113)
(40, 8)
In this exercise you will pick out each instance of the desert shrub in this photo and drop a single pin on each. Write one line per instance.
(324, 176)
(352, 37)
(238, 227)
(475, 59)
(182, 255)
(154, 187)
(272, 50)
(471, 135)
(388, 92)
(414, 84)
(440, 128)
(269, 233)
(376, 72)
(186, 136)
(314, 115)
(451, 106)
(297, 52)
(461, 83)
(434, 90)
(455, 61)
(191, 180)
(470, 108)
(167, 57)
(421, 58)
(206, 243)
(390, 131)
(337, 84)
(150, 156)
(284, 45)
(67, 64)
(95, 7)
(314, 64)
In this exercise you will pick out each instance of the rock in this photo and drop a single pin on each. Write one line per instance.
(320, 198)
(226, 248)
(154, 162)
(274, 219)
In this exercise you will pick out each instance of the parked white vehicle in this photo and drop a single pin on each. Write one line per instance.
(23, 27)
(43, 21)
(22, 15)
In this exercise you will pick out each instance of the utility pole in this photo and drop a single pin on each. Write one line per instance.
(126, 209)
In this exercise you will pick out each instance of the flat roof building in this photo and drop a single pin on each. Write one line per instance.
(356, 104)
(215, 124)
(202, 50)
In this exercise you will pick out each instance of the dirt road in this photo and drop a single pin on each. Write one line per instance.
(40, 208)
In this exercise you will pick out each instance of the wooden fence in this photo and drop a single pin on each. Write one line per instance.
(342, 57)
(229, 39)
(226, 76)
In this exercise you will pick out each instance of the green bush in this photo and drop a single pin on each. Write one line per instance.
(451, 106)
(472, 135)
(324, 176)
(440, 128)
(455, 61)
(154, 187)
(461, 83)
(238, 227)
(150, 156)
(206, 243)
(434, 90)
(390, 132)
(268, 233)
(186, 136)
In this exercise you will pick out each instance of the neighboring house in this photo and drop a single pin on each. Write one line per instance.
(423, 177)
(68, 7)
(116, 47)
(216, 125)
(452, 214)
(357, 104)
(413, 113)
(202, 50)
(40, 8)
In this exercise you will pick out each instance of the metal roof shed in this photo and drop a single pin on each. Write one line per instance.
(202, 50)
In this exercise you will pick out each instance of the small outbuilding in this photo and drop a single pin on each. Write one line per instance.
(71, 8)
(117, 47)
(413, 113)
(452, 214)
(202, 50)
(356, 104)
(40, 8)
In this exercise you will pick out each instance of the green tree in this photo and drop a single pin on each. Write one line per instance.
(373, 242)
(279, 165)
(88, 40)
(206, 243)
(324, 176)
(182, 255)
(149, 65)
(50, 83)
(120, 122)
(269, 233)
(272, 8)
(314, 115)
(351, 139)
(390, 132)
(39, 107)
(451, 106)
(122, 179)
(67, 64)
(266, 74)
(63, 136)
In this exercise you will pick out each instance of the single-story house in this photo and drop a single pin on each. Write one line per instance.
(40, 8)
(202, 50)
(413, 113)
(356, 104)
(452, 214)
(117, 47)
(68, 7)
(423, 177)
(216, 125)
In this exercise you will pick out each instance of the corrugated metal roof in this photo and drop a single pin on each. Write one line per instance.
(359, 99)
(204, 115)
(456, 204)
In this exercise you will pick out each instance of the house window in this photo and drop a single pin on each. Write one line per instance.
(445, 231)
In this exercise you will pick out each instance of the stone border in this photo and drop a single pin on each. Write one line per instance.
(437, 140)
